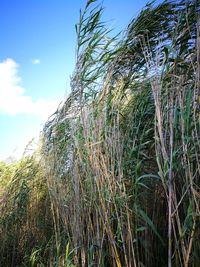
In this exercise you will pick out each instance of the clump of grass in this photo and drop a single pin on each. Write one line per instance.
(25, 222)
(119, 165)
(130, 185)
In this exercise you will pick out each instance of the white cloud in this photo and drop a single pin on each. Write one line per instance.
(36, 61)
(13, 99)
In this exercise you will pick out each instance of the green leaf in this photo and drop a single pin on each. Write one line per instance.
(146, 218)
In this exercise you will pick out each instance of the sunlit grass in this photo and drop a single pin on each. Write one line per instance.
(116, 182)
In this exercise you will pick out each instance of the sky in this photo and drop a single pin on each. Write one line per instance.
(37, 53)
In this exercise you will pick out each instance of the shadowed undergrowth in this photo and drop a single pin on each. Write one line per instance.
(116, 181)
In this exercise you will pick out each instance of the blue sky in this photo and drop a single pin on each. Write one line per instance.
(37, 58)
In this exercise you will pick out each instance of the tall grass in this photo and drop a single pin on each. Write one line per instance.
(120, 158)
(132, 177)
(25, 222)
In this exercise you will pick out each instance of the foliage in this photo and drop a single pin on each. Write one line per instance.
(117, 179)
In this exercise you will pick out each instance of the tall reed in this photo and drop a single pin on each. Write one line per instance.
(116, 182)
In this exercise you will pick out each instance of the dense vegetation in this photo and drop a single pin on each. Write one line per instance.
(116, 181)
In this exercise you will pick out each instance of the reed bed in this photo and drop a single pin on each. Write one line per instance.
(119, 162)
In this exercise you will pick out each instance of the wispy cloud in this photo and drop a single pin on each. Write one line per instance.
(36, 61)
(13, 98)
